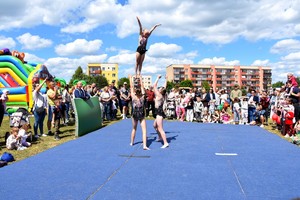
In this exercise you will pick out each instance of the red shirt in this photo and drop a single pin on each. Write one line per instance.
(150, 95)
(289, 118)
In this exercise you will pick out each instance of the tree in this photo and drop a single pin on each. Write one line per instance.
(205, 85)
(100, 81)
(277, 84)
(170, 85)
(186, 83)
(122, 80)
(78, 75)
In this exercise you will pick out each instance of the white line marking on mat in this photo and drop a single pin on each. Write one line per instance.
(226, 154)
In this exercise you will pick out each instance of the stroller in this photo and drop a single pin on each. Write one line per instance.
(170, 112)
(17, 118)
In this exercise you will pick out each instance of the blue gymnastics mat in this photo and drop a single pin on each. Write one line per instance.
(204, 161)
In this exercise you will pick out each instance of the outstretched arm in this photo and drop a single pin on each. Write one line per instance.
(131, 84)
(141, 83)
(165, 85)
(154, 27)
(155, 85)
(140, 25)
(40, 86)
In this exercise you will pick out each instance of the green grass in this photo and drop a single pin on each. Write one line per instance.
(43, 143)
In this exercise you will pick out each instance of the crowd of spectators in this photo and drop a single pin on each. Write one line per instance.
(279, 106)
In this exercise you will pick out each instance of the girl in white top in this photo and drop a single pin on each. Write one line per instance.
(24, 134)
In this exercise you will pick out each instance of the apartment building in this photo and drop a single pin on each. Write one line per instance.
(147, 81)
(108, 70)
(257, 77)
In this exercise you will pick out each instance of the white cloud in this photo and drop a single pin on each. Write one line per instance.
(285, 46)
(79, 47)
(282, 68)
(292, 57)
(218, 61)
(33, 58)
(207, 21)
(32, 42)
(65, 67)
(123, 58)
(163, 50)
(7, 42)
(95, 14)
(261, 63)
(25, 14)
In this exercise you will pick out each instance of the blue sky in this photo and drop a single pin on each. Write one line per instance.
(65, 36)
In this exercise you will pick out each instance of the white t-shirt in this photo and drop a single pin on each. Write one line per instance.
(39, 100)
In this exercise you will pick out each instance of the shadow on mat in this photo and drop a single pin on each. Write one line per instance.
(154, 139)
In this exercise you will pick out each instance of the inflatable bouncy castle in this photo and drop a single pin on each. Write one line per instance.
(17, 76)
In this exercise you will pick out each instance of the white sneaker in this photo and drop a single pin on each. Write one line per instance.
(286, 136)
(165, 146)
(44, 135)
(292, 137)
(262, 126)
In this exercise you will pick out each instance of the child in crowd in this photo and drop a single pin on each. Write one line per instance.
(244, 110)
(198, 109)
(189, 110)
(177, 105)
(288, 113)
(236, 110)
(215, 118)
(13, 141)
(211, 107)
(56, 119)
(24, 134)
(257, 116)
(297, 128)
(205, 116)
(296, 140)
(182, 106)
(225, 117)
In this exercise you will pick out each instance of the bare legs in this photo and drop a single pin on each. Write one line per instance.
(158, 126)
(144, 131)
(125, 109)
(139, 63)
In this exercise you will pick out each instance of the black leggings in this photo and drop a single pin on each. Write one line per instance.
(1, 112)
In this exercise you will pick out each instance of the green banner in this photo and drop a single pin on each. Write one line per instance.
(87, 115)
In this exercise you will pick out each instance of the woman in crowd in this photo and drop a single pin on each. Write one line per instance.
(106, 101)
(39, 109)
(3, 100)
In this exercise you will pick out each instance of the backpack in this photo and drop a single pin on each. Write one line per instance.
(8, 157)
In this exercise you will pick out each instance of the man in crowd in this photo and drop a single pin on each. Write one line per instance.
(52, 95)
(150, 102)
